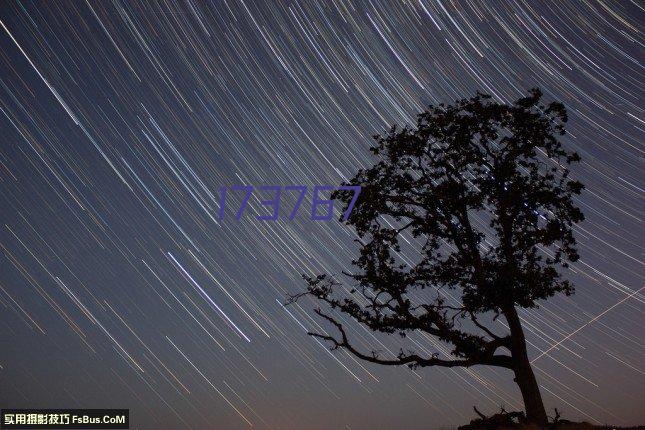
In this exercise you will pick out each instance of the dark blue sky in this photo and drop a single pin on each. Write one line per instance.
(121, 120)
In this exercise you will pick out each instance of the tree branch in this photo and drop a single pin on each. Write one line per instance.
(406, 359)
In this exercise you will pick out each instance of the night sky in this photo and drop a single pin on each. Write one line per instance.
(120, 121)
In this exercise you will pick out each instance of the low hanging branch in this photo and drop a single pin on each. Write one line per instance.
(411, 360)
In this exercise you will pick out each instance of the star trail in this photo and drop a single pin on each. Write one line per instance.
(120, 287)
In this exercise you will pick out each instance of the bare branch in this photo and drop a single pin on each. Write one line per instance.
(406, 359)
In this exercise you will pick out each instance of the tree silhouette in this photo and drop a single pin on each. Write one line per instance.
(474, 206)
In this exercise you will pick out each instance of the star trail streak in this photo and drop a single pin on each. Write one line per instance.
(121, 120)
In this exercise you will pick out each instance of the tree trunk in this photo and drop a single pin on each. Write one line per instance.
(524, 377)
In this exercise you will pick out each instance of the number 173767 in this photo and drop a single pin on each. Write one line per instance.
(322, 209)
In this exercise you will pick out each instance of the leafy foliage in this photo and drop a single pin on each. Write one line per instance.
(481, 191)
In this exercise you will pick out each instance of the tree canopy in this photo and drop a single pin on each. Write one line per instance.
(474, 203)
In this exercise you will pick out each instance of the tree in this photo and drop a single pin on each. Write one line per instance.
(480, 192)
